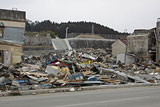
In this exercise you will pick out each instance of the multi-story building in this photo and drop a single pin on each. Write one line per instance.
(12, 27)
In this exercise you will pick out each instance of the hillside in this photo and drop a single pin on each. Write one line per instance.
(74, 27)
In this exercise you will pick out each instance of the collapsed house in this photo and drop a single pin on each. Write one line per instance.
(12, 27)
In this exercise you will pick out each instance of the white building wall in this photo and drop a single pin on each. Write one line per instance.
(118, 47)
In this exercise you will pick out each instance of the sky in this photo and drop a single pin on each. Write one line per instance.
(121, 15)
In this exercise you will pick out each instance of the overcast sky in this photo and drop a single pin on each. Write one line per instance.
(116, 14)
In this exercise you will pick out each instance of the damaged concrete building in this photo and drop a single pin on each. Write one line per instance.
(145, 43)
(12, 27)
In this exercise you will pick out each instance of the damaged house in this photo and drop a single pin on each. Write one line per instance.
(119, 50)
(142, 43)
(12, 27)
(119, 46)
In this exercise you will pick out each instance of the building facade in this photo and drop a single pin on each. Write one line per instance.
(12, 27)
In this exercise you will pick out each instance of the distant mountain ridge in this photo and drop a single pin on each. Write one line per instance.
(74, 27)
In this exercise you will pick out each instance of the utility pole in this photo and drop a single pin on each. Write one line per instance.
(67, 32)
(92, 29)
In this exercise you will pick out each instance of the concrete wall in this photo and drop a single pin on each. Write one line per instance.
(138, 44)
(40, 46)
(106, 36)
(12, 15)
(90, 43)
(37, 41)
(118, 47)
(37, 46)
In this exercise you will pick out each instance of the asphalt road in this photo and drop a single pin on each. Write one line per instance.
(123, 97)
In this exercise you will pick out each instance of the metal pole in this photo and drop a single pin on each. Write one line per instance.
(67, 31)
(92, 29)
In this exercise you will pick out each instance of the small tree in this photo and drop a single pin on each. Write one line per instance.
(52, 34)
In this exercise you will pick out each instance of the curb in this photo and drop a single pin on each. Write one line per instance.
(117, 86)
(58, 90)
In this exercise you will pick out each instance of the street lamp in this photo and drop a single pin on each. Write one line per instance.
(67, 31)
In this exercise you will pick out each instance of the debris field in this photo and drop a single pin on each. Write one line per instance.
(76, 68)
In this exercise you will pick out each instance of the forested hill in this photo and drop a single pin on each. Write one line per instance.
(74, 27)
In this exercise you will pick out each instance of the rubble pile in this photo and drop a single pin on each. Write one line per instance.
(81, 67)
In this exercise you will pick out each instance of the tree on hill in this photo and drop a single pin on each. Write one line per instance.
(74, 27)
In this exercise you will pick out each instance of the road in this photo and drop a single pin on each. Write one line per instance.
(123, 97)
